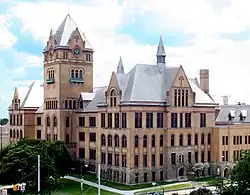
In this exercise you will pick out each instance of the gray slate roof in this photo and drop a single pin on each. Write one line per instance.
(234, 110)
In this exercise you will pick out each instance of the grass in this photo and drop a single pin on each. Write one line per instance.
(210, 181)
(92, 177)
(182, 186)
(68, 187)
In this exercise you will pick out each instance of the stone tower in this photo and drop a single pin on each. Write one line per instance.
(68, 71)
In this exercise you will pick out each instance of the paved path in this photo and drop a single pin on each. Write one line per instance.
(131, 192)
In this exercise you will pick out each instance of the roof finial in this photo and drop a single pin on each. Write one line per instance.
(68, 6)
(120, 68)
(161, 55)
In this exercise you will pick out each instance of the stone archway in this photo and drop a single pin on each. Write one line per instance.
(226, 172)
(181, 172)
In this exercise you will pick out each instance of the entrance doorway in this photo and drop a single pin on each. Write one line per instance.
(226, 173)
(181, 172)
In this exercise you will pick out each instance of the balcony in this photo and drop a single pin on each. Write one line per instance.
(50, 81)
(77, 80)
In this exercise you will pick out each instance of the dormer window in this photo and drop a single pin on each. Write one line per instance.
(113, 98)
(243, 115)
(231, 115)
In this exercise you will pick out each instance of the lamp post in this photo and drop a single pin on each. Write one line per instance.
(22, 175)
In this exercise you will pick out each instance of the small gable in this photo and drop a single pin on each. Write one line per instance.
(113, 83)
(181, 79)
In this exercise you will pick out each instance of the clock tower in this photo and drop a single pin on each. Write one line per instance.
(68, 71)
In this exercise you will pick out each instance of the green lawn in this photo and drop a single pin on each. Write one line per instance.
(119, 186)
(169, 188)
(210, 181)
(68, 187)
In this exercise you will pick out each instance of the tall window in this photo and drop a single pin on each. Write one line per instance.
(113, 98)
(109, 140)
(54, 121)
(181, 120)
(160, 120)
(196, 139)
(172, 140)
(183, 98)
(209, 139)
(189, 139)
(103, 119)
(92, 121)
(117, 120)
(48, 121)
(174, 120)
(109, 120)
(153, 141)
(175, 97)
(138, 120)
(103, 140)
(149, 120)
(187, 98)
(136, 141)
(161, 140)
(202, 119)
(124, 120)
(124, 141)
(202, 139)
(181, 140)
(116, 141)
(187, 120)
(144, 141)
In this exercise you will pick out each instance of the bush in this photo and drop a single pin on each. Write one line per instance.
(201, 191)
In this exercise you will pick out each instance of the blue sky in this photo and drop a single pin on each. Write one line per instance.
(214, 36)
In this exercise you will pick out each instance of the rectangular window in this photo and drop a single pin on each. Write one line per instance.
(109, 158)
(145, 162)
(17, 119)
(240, 140)
(187, 120)
(153, 160)
(174, 120)
(38, 121)
(81, 136)
(92, 137)
(124, 120)
(117, 120)
(103, 158)
(234, 142)
(145, 177)
(117, 160)
(245, 139)
(209, 156)
(175, 97)
(183, 98)
(38, 134)
(138, 120)
(186, 98)
(21, 119)
(189, 157)
(82, 121)
(103, 120)
(161, 175)
(136, 163)
(161, 159)
(159, 120)
(67, 138)
(223, 140)
(149, 120)
(81, 152)
(124, 160)
(203, 120)
(110, 120)
(196, 157)
(181, 120)
(92, 154)
(202, 157)
(173, 158)
(92, 122)
(179, 97)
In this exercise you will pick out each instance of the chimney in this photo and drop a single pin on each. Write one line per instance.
(225, 100)
(204, 80)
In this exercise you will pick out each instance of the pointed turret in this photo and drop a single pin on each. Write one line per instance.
(161, 55)
(16, 94)
(120, 67)
(51, 33)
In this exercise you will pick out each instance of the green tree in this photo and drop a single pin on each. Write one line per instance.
(3, 121)
(240, 180)
(20, 159)
(201, 191)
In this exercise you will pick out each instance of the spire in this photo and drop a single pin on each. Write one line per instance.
(16, 95)
(120, 68)
(161, 55)
(51, 32)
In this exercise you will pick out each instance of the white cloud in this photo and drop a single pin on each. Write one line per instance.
(227, 60)
(7, 39)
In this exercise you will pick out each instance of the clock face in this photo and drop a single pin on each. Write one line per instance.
(76, 51)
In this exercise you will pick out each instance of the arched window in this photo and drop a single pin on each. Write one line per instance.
(209, 139)
(116, 141)
(76, 73)
(136, 141)
(181, 140)
(189, 139)
(202, 139)
(109, 140)
(48, 121)
(161, 140)
(67, 121)
(172, 140)
(124, 141)
(66, 104)
(10, 133)
(80, 74)
(72, 73)
(113, 98)
(103, 140)
(74, 104)
(145, 141)
(17, 133)
(153, 141)
(196, 139)
(21, 133)
(54, 121)
(53, 74)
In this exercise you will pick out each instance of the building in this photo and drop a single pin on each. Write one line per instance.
(4, 133)
(152, 123)
(231, 136)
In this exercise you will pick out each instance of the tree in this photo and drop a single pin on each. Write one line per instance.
(240, 180)
(21, 157)
(3, 121)
(199, 167)
(201, 191)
